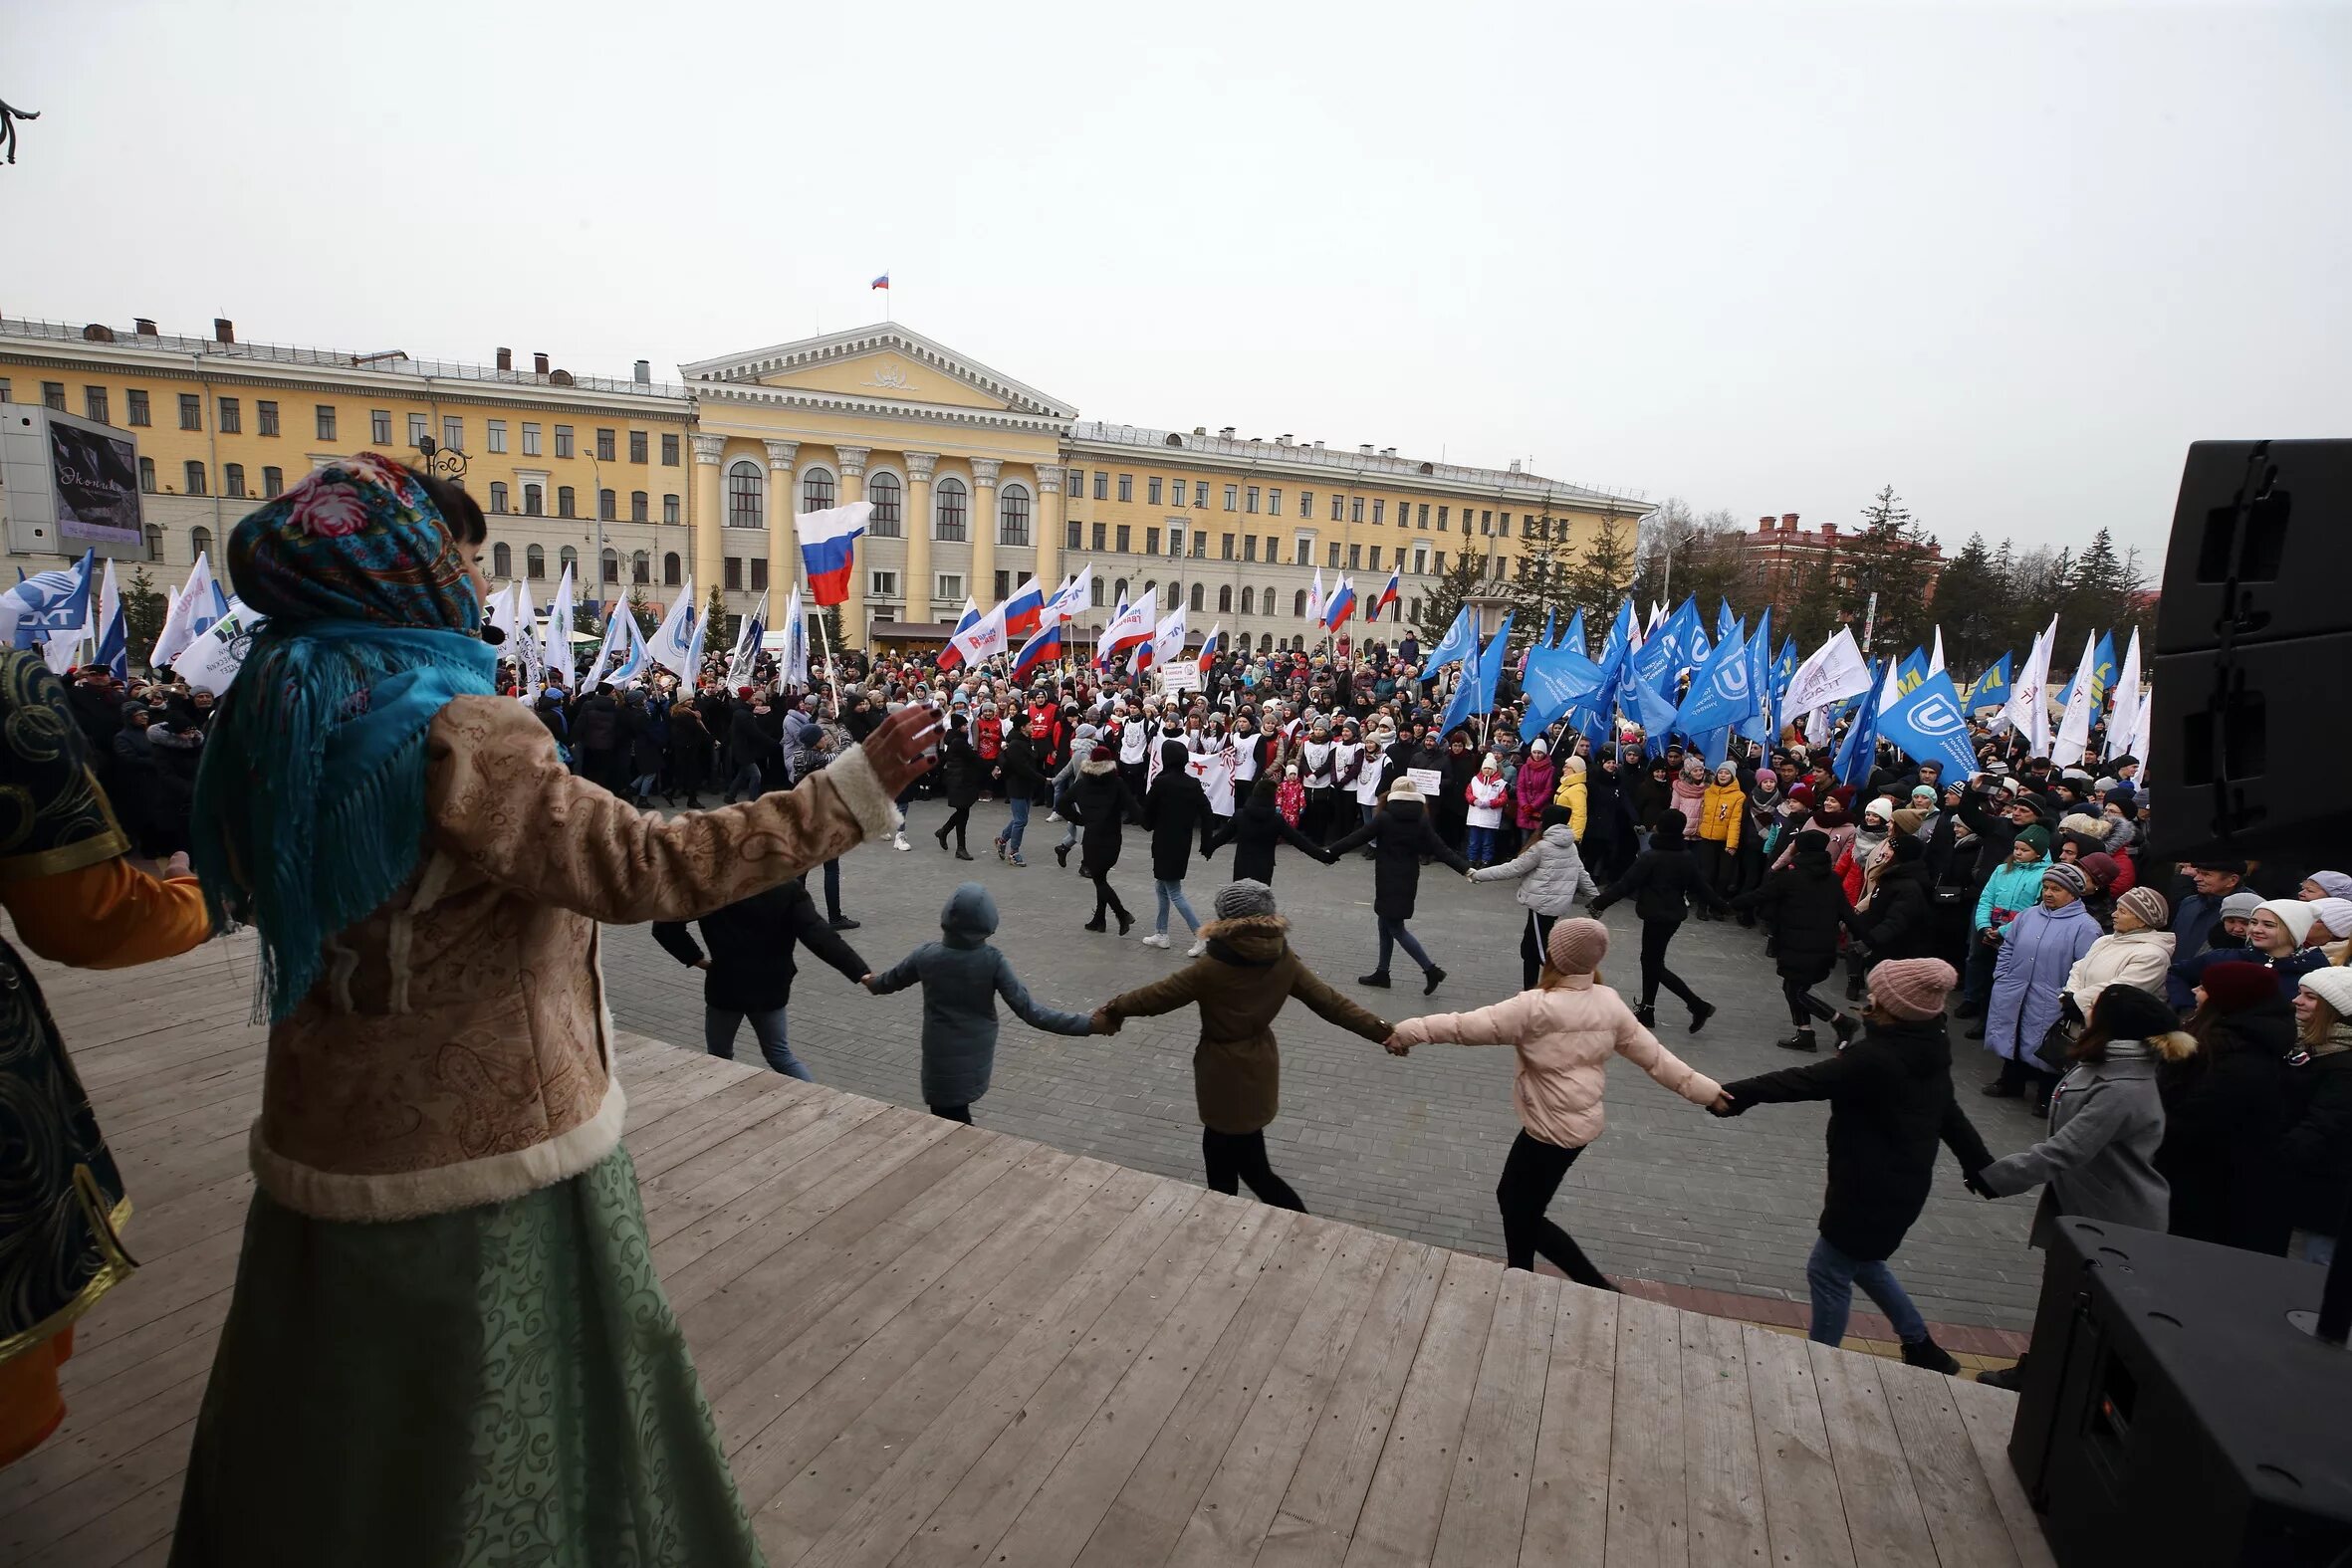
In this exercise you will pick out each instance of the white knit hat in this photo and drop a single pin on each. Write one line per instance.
(2292, 913)
(2335, 914)
(2332, 985)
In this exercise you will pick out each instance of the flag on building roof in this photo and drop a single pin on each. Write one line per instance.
(883, 282)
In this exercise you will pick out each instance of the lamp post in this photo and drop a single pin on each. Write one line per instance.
(442, 462)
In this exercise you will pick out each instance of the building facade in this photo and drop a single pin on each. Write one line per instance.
(1779, 558)
(977, 481)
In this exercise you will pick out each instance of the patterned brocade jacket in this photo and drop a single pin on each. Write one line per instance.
(457, 1049)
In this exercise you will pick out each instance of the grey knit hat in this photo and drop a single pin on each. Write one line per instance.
(1242, 900)
(2067, 876)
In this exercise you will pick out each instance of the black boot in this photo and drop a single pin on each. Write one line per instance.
(1434, 978)
(1846, 1029)
(1924, 1352)
(1645, 1014)
(1701, 1011)
(1969, 1010)
(1853, 986)
(1378, 978)
(1802, 1040)
(2010, 1378)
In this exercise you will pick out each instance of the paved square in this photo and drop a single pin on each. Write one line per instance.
(1411, 1146)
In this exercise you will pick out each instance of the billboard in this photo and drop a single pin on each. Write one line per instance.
(95, 475)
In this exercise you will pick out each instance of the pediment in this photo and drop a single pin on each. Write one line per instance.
(883, 363)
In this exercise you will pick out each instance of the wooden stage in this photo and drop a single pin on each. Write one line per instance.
(926, 1343)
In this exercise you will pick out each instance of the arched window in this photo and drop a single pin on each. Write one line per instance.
(882, 489)
(1200, 595)
(501, 559)
(950, 509)
(199, 544)
(569, 559)
(817, 490)
(641, 506)
(746, 495)
(1225, 599)
(1297, 644)
(498, 495)
(535, 561)
(1266, 643)
(1011, 515)
(1298, 602)
(608, 505)
(669, 569)
(611, 560)
(154, 539)
(1099, 600)
(1119, 591)
(563, 503)
(534, 500)
(641, 568)
(1249, 602)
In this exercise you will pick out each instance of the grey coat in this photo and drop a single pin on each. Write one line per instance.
(962, 978)
(2099, 1159)
(1552, 871)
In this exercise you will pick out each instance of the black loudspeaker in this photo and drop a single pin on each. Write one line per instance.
(2252, 635)
(2177, 1408)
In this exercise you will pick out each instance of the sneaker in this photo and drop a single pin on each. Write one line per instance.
(1802, 1040)
(1379, 982)
(1062, 855)
(1196, 949)
(1927, 1353)
(843, 923)
(1701, 1011)
(1016, 860)
(1053, 816)
(1158, 939)
(898, 841)
(1000, 843)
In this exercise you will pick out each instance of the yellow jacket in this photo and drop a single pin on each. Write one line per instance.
(1571, 795)
(1721, 812)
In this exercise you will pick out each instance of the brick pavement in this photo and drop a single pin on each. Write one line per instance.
(1412, 1146)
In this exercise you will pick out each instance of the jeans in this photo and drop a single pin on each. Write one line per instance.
(1833, 1276)
(1173, 893)
(642, 785)
(1530, 1177)
(1235, 1158)
(1393, 933)
(745, 782)
(1482, 846)
(1015, 824)
(718, 1033)
(833, 890)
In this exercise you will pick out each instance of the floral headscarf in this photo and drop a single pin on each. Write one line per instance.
(361, 541)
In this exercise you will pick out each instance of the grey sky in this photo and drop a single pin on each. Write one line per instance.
(1765, 258)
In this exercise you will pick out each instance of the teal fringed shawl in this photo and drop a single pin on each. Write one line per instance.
(310, 808)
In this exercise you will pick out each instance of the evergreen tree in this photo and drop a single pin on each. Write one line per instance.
(1465, 575)
(1806, 607)
(1605, 571)
(1544, 584)
(719, 628)
(1889, 559)
(1968, 605)
(648, 620)
(143, 608)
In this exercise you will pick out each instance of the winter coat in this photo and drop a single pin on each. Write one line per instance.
(2315, 1156)
(1099, 801)
(1565, 1038)
(1404, 834)
(751, 947)
(1722, 810)
(1551, 874)
(1664, 879)
(1239, 984)
(1176, 810)
(1805, 906)
(1574, 797)
(1024, 770)
(1890, 1103)
(2131, 958)
(2225, 1122)
(2011, 888)
(961, 772)
(1485, 799)
(642, 739)
(962, 978)
(2099, 1161)
(1689, 797)
(1607, 817)
(596, 723)
(1533, 788)
(1253, 832)
(2037, 951)
(1896, 925)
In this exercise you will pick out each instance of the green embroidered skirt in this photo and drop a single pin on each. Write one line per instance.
(501, 1386)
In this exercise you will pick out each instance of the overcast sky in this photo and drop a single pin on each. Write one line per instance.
(2010, 260)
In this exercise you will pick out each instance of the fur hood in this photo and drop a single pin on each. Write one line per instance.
(1252, 939)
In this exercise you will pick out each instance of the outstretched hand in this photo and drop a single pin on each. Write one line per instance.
(1724, 1105)
(868, 980)
(895, 748)
(1105, 1022)
(1976, 1184)
(1395, 1046)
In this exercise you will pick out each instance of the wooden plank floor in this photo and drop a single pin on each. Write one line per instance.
(932, 1344)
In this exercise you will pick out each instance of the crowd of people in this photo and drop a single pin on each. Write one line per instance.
(374, 794)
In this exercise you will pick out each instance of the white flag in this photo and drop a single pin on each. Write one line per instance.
(1167, 640)
(983, 638)
(194, 602)
(1832, 673)
(1314, 597)
(795, 641)
(2124, 717)
(672, 643)
(2028, 705)
(1936, 659)
(2074, 730)
(502, 612)
(557, 642)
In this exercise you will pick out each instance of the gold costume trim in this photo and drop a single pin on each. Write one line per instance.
(107, 1226)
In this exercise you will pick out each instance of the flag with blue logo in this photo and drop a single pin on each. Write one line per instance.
(1992, 689)
(1573, 638)
(2103, 668)
(47, 604)
(1927, 725)
(1757, 726)
(1678, 645)
(1721, 692)
(1557, 680)
(1458, 642)
(1653, 712)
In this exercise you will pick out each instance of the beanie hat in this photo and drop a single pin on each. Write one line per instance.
(2068, 877)
(2332, 985)
(1906, 848)
(2147, 904)
(2292, 913)
(1882, 809)
(1538, 746)
(1405, 790)
(1672, 822)
(2080, 822)
(1766, 779)
(2335, 884)
(2099, 868)
(1923, 791)
(1811, 841)
(2127, 1013)
(2335, 914)
(1912, 988)
(2241, 906)
(1244, 899)
(2238, 985)
(1576, 947)
(2037, 838)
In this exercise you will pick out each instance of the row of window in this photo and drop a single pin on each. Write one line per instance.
(1344, 507)
(1121, 536)
(533, 499)
(747, 501)
(948, 588)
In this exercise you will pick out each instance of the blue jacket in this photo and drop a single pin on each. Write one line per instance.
(2037, 950)
(2012, 887)
(962, 979)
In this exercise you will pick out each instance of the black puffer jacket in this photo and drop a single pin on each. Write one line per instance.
(2225, 1120)
(1896, 923)
(1805, 904)
(1663, 880)
(1177, 812)
(2316, 1155)
(1890, 1103)
(1102, 804)
(1253, 832)
(1404, 832)
(961, 772)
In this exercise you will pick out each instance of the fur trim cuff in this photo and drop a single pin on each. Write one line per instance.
(852, 778)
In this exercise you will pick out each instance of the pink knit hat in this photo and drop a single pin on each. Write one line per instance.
(1910, 987)
(1576, 947)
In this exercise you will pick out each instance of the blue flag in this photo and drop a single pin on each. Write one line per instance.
(48, 602)
(1546, 640)
(1721, 692)
(1573, 638)
(1464, 702)
(1460, 641)
(1654, 713)
(1912, 670)
(1860, 752)
(1619, 642)
(2103, 668)
(1678, 645)
(1759, 725)
(1992, 687)
(1927, 725)
(1558, 679)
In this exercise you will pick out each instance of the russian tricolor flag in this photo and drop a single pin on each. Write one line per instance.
(1387, 595)
(1025, 608)
(951, 656)
(1209, 646)
(1343, 601)
(1042, 648)
(828, 550)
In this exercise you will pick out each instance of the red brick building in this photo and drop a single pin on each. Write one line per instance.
(1780, 556)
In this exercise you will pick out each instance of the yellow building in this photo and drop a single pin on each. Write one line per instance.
(977, 481)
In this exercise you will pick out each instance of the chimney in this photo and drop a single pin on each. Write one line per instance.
(506, 358)
(1284, 439)
(644, 373)
(1515, 465)
(1365, 450)
(143, 325)
(1829, 533)
(1764, 524)
(539, 365)
(1390, 451)
(1789, 522)
(224, 330)
(1318, 446)
(1226, 433)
